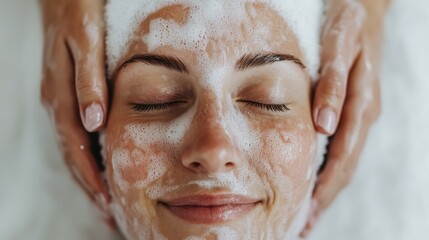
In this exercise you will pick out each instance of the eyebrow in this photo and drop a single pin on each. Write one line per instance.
(245, 62)
(260, 59)
(172, 63)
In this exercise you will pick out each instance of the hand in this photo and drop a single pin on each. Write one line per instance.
(73, 86)
(348, 87)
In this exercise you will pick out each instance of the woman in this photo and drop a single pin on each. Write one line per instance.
(210, 134)
(346, 100)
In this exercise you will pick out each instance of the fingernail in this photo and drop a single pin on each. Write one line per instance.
(326, 120)
(93, 117)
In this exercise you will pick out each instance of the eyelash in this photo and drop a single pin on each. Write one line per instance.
(163, 106)
(268, 107)
(154, 107)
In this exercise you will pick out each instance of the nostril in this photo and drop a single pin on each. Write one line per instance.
(229, 164)
(196, 165)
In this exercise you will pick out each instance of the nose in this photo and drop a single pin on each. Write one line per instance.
(209, 149)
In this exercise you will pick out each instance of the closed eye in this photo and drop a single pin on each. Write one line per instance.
(268, 107)
(140, 107)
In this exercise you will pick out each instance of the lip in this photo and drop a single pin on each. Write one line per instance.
(210, 209)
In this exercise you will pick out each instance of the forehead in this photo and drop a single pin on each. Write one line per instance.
(214, 27)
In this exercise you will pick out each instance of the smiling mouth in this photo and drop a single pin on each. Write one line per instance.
(210, 209)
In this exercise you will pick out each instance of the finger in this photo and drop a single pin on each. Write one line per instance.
(76, 147)
(59, 97)
(361, 107)
(340, 45)
(87, 48)
(312, 220)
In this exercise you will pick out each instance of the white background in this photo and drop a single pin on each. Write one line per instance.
(387, 200)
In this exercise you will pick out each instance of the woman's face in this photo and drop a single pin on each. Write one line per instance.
(210, 133)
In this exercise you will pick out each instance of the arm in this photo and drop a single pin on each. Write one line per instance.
(73, 86)
(347, 97)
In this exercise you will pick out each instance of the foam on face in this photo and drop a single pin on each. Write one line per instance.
(220, 232)
(237, 183)
(207, 18)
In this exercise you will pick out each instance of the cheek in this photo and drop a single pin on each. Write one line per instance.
(141, 154)
(288, 149)
(138, 155)
(135, 168)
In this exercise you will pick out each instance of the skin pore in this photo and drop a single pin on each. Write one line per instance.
(224, 121)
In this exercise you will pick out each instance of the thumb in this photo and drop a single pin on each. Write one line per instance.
(340, 47)
(91, 86)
